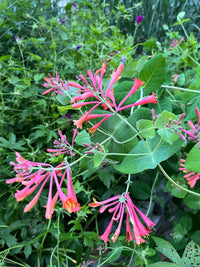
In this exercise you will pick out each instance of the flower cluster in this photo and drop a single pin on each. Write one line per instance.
(194, 132)
(62, 146)
(54, 84)
(176, 126)
(119, 203)
(103, 99)
(32, 180)
(191, 177)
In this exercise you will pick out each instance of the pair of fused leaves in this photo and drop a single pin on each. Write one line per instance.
(159, 145)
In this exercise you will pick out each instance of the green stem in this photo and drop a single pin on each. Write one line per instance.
(180, 88)
(151, 197)
(128, 182)
(177, 185)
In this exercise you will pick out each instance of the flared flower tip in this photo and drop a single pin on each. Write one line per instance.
(95, 203)
(71, 205)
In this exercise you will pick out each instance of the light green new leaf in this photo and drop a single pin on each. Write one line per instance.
(153, 74)
(98, 158)
(147, 155)
(146, 129)
(82, 138)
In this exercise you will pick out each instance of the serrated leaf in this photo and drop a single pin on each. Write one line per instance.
(27, 250)
(153, 74)
(168, 250)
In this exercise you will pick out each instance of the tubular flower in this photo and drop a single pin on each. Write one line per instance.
(103, 98)
(117, 206)
(33, 181)
(70, 202)
(54, 84)
(194, 132)
(191, 177)
(62, 145)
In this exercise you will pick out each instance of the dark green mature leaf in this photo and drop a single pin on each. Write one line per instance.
(175, 191)
(168, 250)
(147, 155)
(192, 201)
(153, 74)
(193, 160)
(140, 190)
(120, 138)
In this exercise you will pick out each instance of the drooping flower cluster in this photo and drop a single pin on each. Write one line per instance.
(117, 205)
(103, 99)
(54, 84)
(176, 126)
(33, 180)
(191, 177)
(62, 146)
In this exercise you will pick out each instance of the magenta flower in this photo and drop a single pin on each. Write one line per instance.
(117, 206)
(74, 4)
(139, 19)
(62, 146)
(18, 40)
(62, 21)
(103, 99)
(193, 133)
(191, 177)
(54, 84)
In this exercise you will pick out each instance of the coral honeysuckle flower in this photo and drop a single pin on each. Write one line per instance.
(117, 205)
(33, 181)
(104, 99)
(62, 146)
(54, 84)
(190, 176)
(194, 132)
(70, 202)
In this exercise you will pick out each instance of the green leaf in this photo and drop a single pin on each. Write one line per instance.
(146, 128)
(98, 158)
(147, 155)
(197, 81)
(177, 192)
(114, 254)
(168, 250)
(27, 250)
(106, 178)
(153, 74)
(191, 255)
(192, 201)
(192, 162)
(82, 138)
(140, 190)
(163, 264)
(196, 237)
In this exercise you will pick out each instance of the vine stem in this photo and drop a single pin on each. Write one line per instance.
(128, 182)
(151, 197)
(180, 88)
(177, 185)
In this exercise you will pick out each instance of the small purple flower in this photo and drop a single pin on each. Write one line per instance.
(74, 4)
(17, 39)
(68, 116)
(78, 47)
(139, 19)
(62, 21)
(123, 60)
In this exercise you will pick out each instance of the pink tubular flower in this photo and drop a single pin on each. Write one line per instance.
(54, 84)
(175, 43)
(117, 206)
(103, 98)
(33, 180)
(70, 202)
(62, 146)
(194, 132)
(191, 177)
(176, 126)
